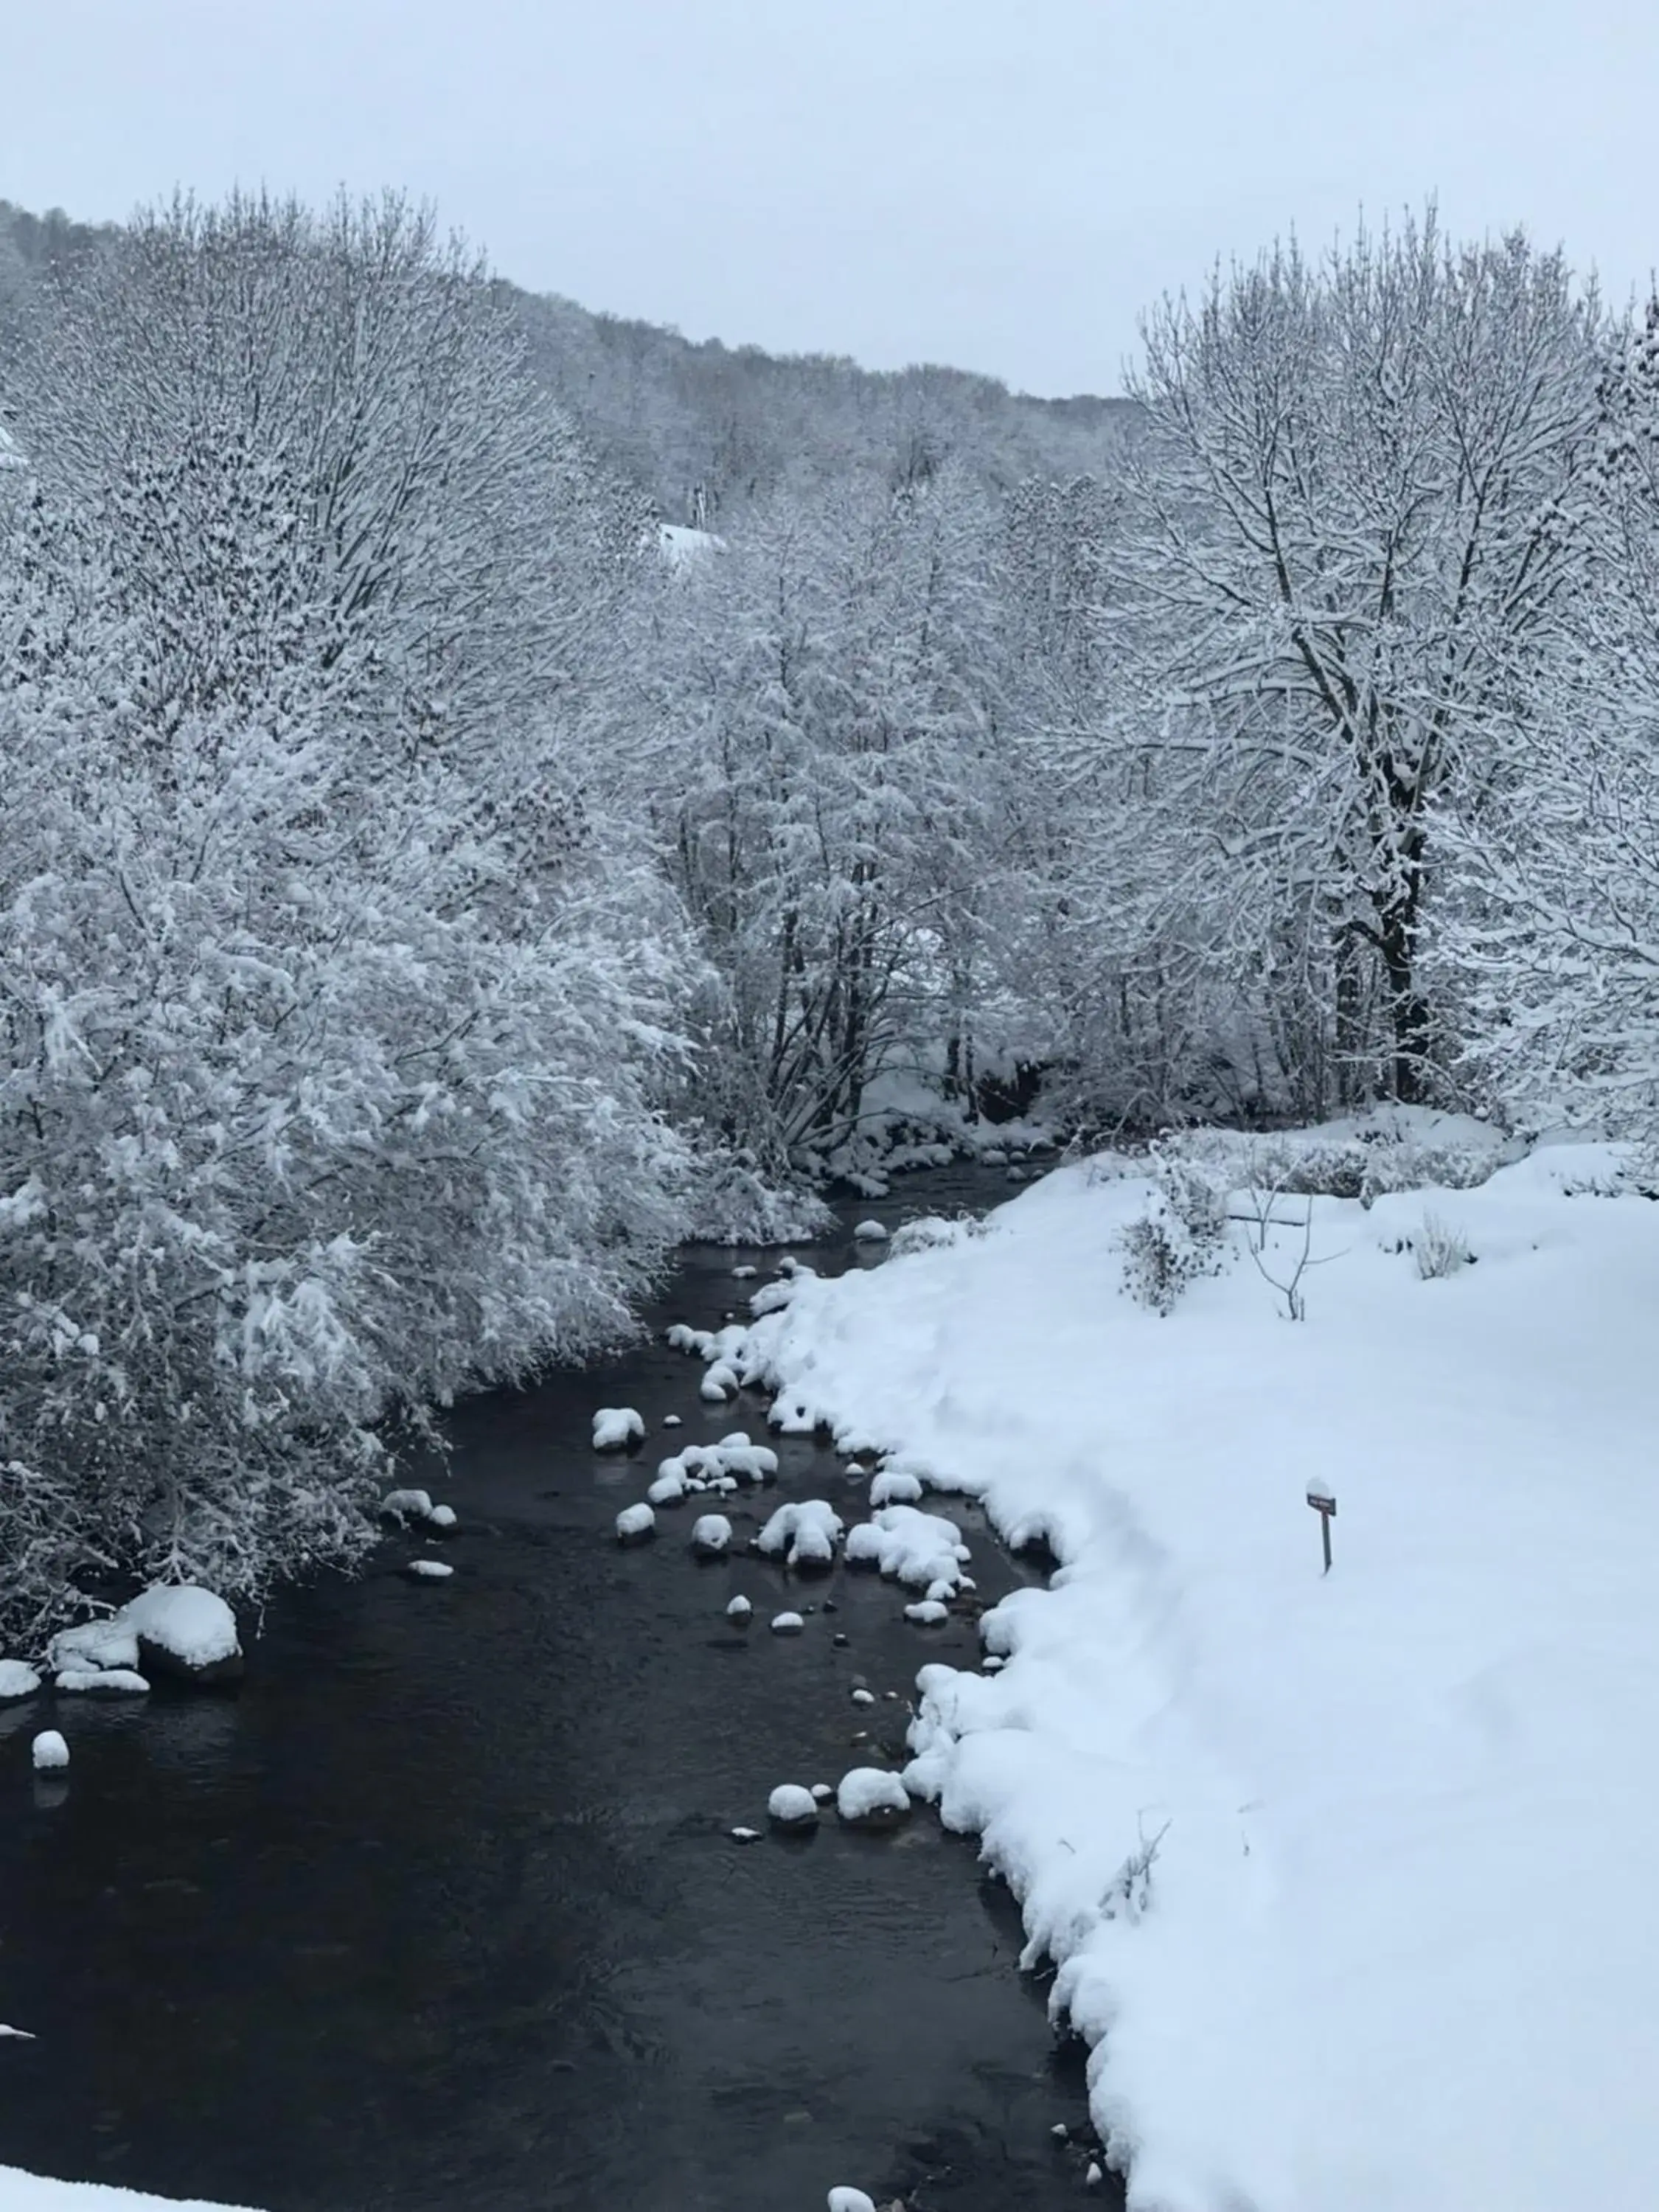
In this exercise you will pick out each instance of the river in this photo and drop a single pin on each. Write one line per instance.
(442, 1910)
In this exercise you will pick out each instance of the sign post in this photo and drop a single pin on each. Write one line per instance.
(1324, 1503)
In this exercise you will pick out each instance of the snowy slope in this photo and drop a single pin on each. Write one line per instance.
(1399, 1938)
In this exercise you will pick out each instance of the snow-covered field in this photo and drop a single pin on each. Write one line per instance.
(1352, 1880)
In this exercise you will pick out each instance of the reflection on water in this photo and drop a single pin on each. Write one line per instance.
(442, 1912)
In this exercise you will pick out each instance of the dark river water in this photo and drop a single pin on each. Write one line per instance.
(442, 1909)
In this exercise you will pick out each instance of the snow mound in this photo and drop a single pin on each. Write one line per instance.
(805, 1533)
(745, 1274)
(871, 1797)
(921, 1549)
(101, 1682)
(869, 1232)
(17, 1680)
(793, 1414)
(94, 1643)
(711, 1535)
(616, 1427)
(712, 1467)
(719, 1384)
(181, 1622)
(894, 1489)
(407, 1505)
(635, 1523)
(682, 1337)
(791, 1807)
(929, 1613)
(48, 1750)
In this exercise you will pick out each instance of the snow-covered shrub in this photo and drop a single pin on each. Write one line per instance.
(1439, 1248)
(1181, 1234)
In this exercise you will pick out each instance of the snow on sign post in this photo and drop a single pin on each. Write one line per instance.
(1324, 1503)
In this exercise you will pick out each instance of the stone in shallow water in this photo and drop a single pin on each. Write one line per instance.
(871, 1797)
(789, 1806)
(636, 1524)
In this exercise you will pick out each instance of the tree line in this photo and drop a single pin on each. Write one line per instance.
(426, 897)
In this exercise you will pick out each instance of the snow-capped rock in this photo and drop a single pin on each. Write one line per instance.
(185, 1631)
(672, 1421)
(428, 1571)
(894, 1489)
(101, 1682)
(790, 1807)
(871, 1797)
(669, 1487)
(928, 1612)
(711, 1535)
(787, 1624)
(850, 2200)
(823, 1793)
(616, 1427)
(719, 1384)
(915, 1547)
(744, 1835)
(740, 1609)
(17, 1680)
(743, 1274)
(805, 1533)
(636, 1524)
(442, 1518)
(49, 1751)
(94, 1643)
(864, 1697)
(407, 1505)
(869, 1232)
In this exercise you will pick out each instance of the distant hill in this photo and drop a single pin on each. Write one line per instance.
(706, 428)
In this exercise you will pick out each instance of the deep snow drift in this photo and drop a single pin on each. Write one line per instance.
(1351, 1879)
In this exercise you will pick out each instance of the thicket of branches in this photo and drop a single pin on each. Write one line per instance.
(423, 901)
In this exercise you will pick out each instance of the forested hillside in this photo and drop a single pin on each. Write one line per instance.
(424, 900)
(704, 430)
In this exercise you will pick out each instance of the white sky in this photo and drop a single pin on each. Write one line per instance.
(999, 184)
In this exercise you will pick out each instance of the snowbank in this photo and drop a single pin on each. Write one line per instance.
(32, 2192)
(17, 1680)
(1350, 1878)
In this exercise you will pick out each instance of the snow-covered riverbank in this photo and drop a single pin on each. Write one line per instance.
(1350, 1879)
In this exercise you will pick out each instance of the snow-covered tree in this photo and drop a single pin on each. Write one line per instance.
(1356, 523)
(1554, 940)
(830, 683)
(338, 1003)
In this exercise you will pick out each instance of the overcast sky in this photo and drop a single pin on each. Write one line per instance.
(999, 184)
